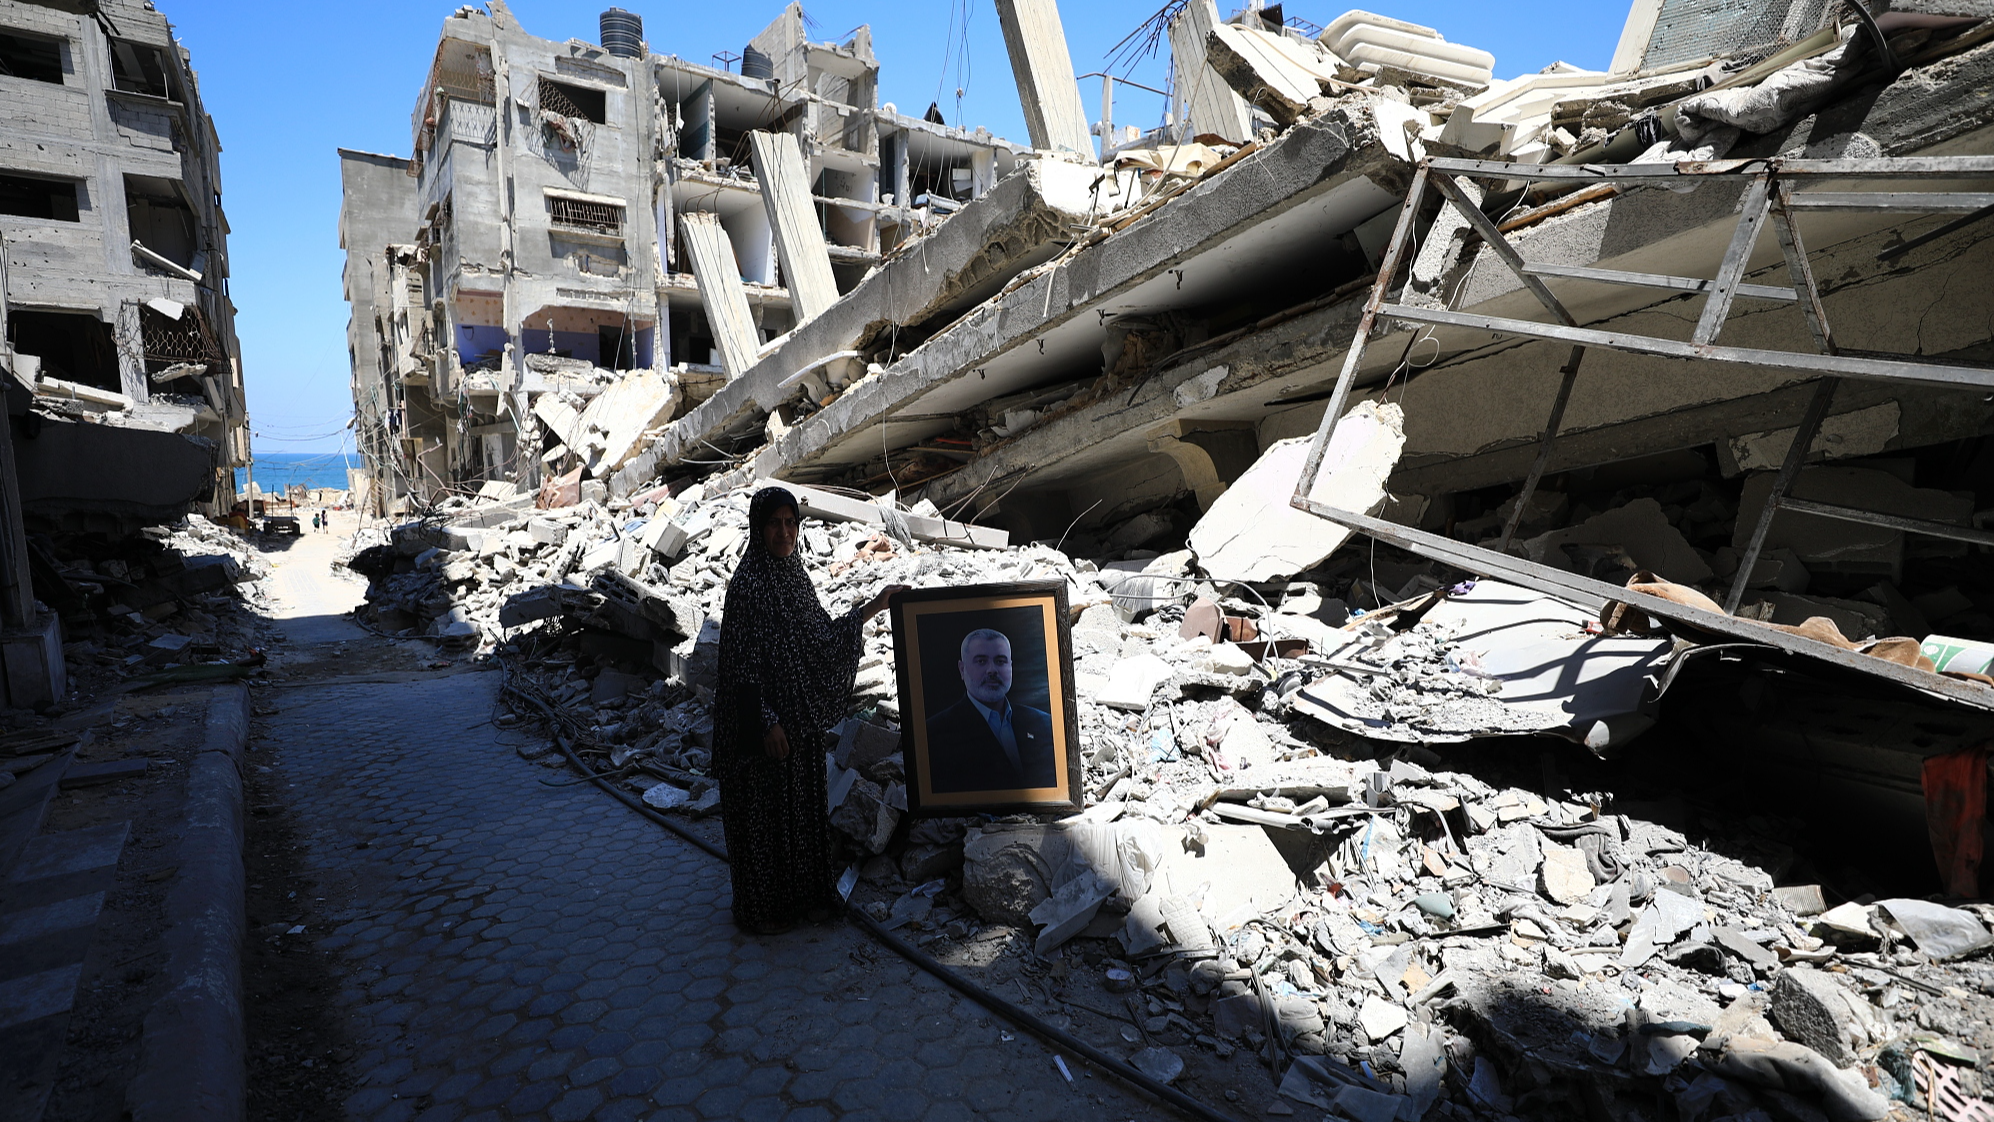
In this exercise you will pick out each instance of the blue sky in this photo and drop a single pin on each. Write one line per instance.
(288, 84)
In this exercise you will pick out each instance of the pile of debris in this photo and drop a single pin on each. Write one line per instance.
(151, 605)
(1260, 873)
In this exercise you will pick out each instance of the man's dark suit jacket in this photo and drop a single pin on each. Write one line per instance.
(964, 754)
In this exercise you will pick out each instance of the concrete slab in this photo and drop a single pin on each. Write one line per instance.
(1252, 533)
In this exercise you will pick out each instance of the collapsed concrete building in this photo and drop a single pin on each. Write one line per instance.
(1124, 354)
(124, 377)
(590, 238)
(1379, 417)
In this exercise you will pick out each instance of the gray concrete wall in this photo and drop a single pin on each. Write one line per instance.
(85, 129)
(377, 207)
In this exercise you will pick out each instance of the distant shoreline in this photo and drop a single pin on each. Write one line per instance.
(277, 471)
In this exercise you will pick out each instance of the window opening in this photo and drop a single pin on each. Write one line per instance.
(24, 56)
(161, 220)
(597, 218)
(31, 197)
(73, 346)
(573, 101)
(137, 68)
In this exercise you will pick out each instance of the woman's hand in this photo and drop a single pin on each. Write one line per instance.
(878, 602)
(776, 743)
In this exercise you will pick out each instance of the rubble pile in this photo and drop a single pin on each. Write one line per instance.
(137, 606)
(1252, 881)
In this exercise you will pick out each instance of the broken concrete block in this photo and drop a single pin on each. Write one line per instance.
(1567, 880)
(1380, 1018)
(1277, 74)
(1745, 947)
(1238, 1015)
(1251, 533)
(1228, 658)
(1801, 899)
(1812, 1008)
(1846, 923)
(865, 816)
(1160, 1064)
(862, 744)
(1245, 872)
(613, 685)
(546, 531)
(1009, 870)
(1133, 681)
(1640, 529)
(923, 863)
(1069, 910)
(1863, 432)
(1098, 629)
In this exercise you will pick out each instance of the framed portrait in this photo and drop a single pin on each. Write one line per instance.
(987, 699)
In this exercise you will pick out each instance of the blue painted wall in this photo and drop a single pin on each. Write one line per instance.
(477, 340)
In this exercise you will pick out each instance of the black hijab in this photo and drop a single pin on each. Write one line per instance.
(783, 659)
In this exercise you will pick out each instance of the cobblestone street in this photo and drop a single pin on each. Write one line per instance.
(510, 949)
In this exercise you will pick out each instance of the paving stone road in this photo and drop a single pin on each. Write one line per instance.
(518, 951)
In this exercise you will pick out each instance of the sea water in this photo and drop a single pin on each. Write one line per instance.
(277, 471)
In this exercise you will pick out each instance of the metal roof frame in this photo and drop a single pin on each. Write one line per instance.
(1769, 199)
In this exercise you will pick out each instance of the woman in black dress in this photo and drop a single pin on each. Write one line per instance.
(786, 672)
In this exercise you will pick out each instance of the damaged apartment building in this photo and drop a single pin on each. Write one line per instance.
(123, 378)
(591, 238)
(1580, 357)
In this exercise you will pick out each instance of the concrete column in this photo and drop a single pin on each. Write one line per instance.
(719, 278)
(799, 239)
(1205, 103)
(1044, 70)
(17, 596)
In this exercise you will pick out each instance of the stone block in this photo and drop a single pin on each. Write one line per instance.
(1812, 1008)
(526, 607)
(546, 531)
(865, 816)
(862, 744)
(31, 663)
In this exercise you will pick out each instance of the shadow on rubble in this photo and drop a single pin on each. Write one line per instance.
(1766, 763)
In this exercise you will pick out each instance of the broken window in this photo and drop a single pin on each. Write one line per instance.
(33, 197)
(573, 101)
(581, 214)
(30, 57)
(73, 346)
(137, 68)
(161, 220)
(170, 341)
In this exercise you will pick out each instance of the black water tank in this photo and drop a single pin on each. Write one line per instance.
(755, 64)
(623, 33)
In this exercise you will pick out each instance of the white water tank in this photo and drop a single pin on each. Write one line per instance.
(1368, 42)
